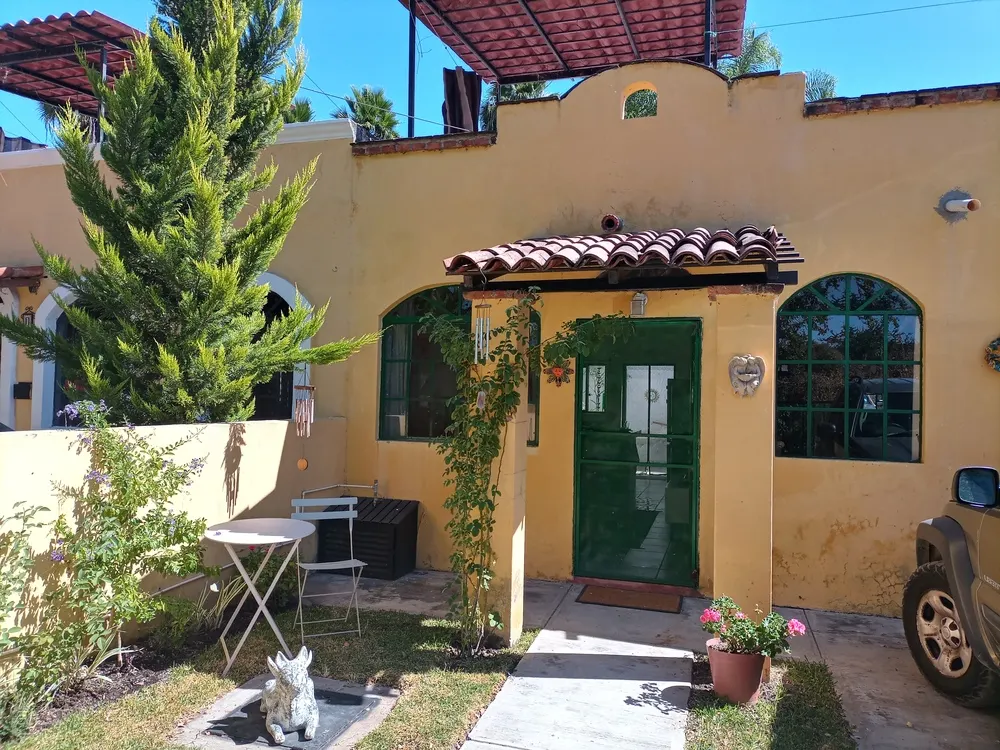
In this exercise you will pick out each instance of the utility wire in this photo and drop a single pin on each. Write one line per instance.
(860, 15)
(26, 128)
(333, 97)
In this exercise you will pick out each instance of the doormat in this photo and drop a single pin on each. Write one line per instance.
(670, 603)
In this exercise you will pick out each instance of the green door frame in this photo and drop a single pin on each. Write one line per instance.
(696, 437)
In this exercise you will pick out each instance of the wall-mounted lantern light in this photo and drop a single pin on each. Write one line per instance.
(639, 305)
(28, 316)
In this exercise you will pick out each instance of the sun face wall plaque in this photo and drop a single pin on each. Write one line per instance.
(746, 373)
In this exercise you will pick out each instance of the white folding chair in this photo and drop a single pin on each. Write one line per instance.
(304, 569)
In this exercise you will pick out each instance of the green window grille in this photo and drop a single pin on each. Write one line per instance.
(534, 377)
(415, 382)
(848, 362)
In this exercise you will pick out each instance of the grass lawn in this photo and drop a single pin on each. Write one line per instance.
(439, 702)
(798, 709)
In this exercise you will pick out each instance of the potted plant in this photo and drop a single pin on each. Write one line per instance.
(739, 645)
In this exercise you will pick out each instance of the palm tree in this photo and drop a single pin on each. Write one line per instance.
(372, 111)
(820, 85)
(508, 92)
(759, 54)
(300, 111)
(51, 113)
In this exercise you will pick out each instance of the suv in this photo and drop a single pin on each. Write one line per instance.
(951, 604)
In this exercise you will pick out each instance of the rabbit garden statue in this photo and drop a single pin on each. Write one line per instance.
(289, 701)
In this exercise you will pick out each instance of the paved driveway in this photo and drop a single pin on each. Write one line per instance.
(886, 699)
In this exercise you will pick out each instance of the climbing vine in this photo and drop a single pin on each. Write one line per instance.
(487, 398)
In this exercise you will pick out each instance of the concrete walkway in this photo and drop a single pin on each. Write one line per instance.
(595, 677)
(602, 677)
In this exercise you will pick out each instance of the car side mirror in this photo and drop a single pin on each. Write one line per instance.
(976, 485)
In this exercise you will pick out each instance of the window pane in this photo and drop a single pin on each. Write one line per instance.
(442, 300)
(791, 385)
(393, 420)
(865, 387)
(396, 342)
(866, 430)
(427, 417)
(790, 433)
(594, 388)
(828, 434)
(893, 301)
(834, 288)
(863, 290)
(792, 337)
(866, 337)
(804, 301)
(903, 441)
(904, 387)
(903, 337)
(828, 336)
(828, 385)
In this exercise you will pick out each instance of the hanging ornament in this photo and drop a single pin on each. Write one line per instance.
(481, 400)
(482, 333)
(558, 374)
(305, 409)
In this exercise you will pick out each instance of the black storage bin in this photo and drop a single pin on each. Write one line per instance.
(385, 537)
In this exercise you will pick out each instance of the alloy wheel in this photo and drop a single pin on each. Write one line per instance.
(941, 634)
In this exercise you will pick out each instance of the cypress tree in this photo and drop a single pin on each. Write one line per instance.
(169, 317)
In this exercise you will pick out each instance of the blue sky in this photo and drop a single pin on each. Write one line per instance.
(365, 41)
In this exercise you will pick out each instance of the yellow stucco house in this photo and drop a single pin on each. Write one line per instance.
(813, 237)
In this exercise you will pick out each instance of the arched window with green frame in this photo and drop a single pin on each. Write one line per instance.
(848, 382)
(415, 382)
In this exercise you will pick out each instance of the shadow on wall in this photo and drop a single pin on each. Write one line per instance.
(233, 457)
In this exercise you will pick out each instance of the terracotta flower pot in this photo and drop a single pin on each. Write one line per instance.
(735, 677)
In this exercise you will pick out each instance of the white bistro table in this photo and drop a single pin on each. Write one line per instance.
(262, 532)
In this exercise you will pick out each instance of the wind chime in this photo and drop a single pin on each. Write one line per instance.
(482, 350)
(305, 409)
(482, 328)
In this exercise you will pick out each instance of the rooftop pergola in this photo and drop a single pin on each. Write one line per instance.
(38, 58)
(514, 41)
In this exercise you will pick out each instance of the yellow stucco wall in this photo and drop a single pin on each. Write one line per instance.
(250, 472)
(854, 193)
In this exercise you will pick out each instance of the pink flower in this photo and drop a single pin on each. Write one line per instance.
(740, 616)
(796, 628)
(710, 615)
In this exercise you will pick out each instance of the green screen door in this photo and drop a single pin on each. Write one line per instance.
(637, 456)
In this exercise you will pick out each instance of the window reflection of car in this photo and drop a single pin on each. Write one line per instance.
(866, 433)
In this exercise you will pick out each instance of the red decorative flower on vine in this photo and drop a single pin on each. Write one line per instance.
(558, 375)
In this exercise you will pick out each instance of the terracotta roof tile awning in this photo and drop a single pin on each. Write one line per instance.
(525, 40)
(38, 57)
(14, 276)
(673, 248)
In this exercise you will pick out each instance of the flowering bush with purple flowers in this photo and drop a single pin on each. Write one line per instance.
(739, 634)
(123, 527)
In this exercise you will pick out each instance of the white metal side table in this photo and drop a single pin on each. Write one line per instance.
(262, 532)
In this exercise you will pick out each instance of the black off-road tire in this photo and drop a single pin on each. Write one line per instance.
(979, 687)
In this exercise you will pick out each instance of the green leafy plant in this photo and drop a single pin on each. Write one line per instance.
(122, 528)
(487, 397)
(739, 634)
(16, 562)
(286, 593)
(187, 619)
(17, 714)
(169, 322)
